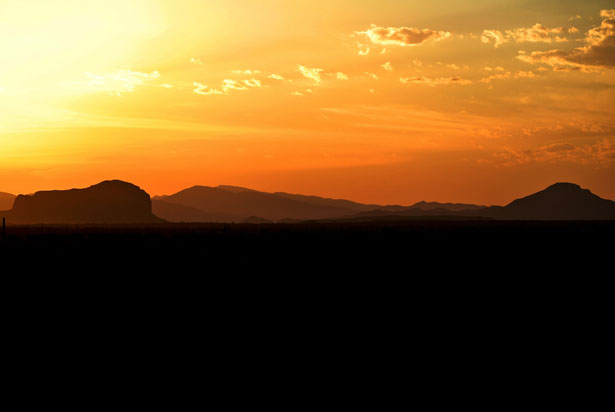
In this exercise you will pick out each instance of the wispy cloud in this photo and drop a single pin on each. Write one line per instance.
(535, 34)
(245, 72)
(252, 83)
(204, 89)
(598, 51)
(440, 81)
(387, 66)
(311, 73)
(119, 81)
(597, 154)
(402, 36)
(493, 35)
(509, 75)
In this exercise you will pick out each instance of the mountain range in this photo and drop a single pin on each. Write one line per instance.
(120, 202)
(235, 204)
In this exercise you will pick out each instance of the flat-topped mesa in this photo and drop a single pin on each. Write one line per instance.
(111, 201)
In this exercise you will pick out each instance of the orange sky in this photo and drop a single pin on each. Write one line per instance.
(374, 101)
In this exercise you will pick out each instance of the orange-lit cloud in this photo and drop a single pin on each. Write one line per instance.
(402, 36)
(313, 74)
(387, 66)
(440, 81)
(538, 33)
(493, 35)
(119, 81)
(508, 75)
(535, 34)
(599, 154)
(246, 72)
(275, 76)
(204, 89)
(598, 52)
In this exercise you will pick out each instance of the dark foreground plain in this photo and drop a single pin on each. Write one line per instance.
(446, 295)
(404, 247)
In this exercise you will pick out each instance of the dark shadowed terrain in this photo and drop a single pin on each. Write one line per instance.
(110, 226)
(400, 246)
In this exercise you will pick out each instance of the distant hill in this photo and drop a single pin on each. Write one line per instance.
(235, 189)
(237, 204)
(321, 201)
(111, 201)
(6, 200)
(256, 220)
(174, 212)
(455, 207)
(561, 201)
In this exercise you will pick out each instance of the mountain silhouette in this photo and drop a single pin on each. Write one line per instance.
(6, 200)
(121, 202)
(336, 203)
(231, 203)
(174, 212)
(561, 201)
(256, 220)
(225, 203)
(455, 207)
(111, 201)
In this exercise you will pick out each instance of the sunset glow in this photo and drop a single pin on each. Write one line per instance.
(386, 101)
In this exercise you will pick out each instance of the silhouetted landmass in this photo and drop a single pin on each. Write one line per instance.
(6, 201)
(561, 201)
(409, 241)
(121, 202)
(348, 205)
(454, 207)
(256, 220)
(417, 212)
(108, 202)
(400, 218)
(238, 204)
(226, 203)
(173, 212)
(236, 189)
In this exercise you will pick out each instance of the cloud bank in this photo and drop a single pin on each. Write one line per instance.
(440, 81)
(597, 53)
(538, 33)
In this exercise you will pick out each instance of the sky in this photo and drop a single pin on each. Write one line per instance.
(384, 101)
